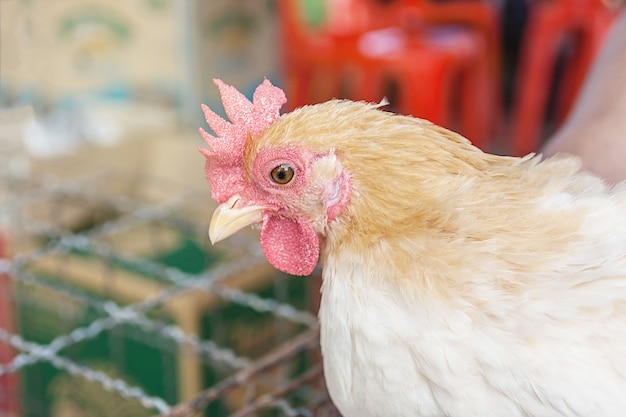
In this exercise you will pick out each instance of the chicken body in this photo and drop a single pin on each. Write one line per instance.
(455, 283)
(552, 350)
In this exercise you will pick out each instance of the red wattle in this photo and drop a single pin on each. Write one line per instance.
(289, 245)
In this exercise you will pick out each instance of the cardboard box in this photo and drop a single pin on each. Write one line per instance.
(74, 54)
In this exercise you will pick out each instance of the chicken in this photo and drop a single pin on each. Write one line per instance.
(455, 283)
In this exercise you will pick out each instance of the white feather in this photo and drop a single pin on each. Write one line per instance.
(558, 350)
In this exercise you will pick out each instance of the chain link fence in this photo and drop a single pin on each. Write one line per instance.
(113, 303)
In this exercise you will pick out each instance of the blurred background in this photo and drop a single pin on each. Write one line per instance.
(112, 301)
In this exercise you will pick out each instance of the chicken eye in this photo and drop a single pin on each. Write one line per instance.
(282, 174)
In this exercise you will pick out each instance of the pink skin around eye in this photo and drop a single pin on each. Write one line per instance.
(290, 243)
(268, 159)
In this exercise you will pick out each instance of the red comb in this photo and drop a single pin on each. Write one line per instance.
(224, 165)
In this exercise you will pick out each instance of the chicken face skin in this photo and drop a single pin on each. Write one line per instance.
(293, 193)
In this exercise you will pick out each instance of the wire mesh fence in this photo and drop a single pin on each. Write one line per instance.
(113, 303)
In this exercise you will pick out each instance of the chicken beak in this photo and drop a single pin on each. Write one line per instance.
(229, 219)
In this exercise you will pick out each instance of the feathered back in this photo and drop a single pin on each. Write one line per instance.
(404, 168)
(422, 190)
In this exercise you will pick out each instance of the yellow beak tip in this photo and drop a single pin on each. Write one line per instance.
(228, 219)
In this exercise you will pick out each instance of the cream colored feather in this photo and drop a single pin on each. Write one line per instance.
(458, 283)
(465, 284)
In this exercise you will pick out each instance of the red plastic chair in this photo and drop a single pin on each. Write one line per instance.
(305, 52)
(439, 70)
(440, 75)
(552, 24)
(479, 15)
(9, 382)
